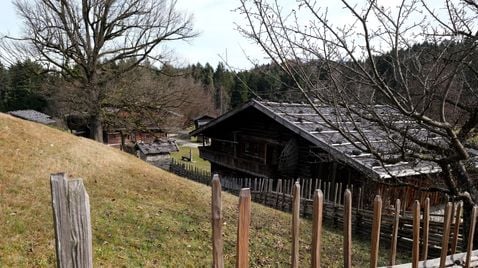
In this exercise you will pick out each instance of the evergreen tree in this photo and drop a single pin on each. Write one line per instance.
(24, 84)
(3, 87)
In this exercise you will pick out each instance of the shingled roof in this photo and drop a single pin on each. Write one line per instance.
(33, 115)
(158, 147)
(303, 120)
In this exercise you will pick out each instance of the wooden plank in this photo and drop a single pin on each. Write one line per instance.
(446, 234)
(79, 204)
(455, 261)
(216, 208)
(59, 196)
(377, 217)
(416, 234)
(348, 230)
(426, 227)
(317, 227)
(471, 235)
(71, 215)
(393, 251)
(244, 220)
(295, 225)
(456, 228)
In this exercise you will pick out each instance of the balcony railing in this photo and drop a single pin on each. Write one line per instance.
(255, 167)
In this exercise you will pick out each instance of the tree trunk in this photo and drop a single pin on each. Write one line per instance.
(122, 140)
(466, 185)
(96, 128)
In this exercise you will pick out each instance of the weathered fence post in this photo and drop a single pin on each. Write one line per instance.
(393, 251)
(317, 227)
(456, 229)
(295, 224)
(446, 234)
(416, 234)
(348, 229)
(71, 217)
(426, 225)
(242, 256)
(216, 206)
(377, 219)
(471, 234)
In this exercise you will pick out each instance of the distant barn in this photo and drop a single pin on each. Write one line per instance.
(287, 140)
(34, 116)
(202, 120)
(113, 136)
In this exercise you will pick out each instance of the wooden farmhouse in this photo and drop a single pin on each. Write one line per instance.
(284, 140)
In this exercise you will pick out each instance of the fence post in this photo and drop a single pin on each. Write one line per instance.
(416, 234)
(348, 230)
(217, 242)
(396, 221)
(471, 234)
(446, 234)
(295, 224)
(426, 226)
(317, 227)
(456, 229)
(377, 218)
(71, 217)
(242, 256)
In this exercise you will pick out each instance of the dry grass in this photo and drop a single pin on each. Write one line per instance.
(197, 161)
(141, 215)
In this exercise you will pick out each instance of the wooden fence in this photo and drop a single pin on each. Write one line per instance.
(70, 204)
(281, 197)
(278, 194)
(189, 171)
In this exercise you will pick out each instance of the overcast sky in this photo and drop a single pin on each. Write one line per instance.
(213, 19)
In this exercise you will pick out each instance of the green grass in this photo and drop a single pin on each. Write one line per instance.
(197, 161)
(141, 216)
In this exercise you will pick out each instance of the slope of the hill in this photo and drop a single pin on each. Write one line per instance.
(141, 215)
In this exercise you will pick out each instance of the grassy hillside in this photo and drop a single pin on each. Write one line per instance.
(141, 215)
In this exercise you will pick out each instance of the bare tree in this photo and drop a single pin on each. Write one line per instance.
(410, 69)
(160, 100)
(84, 39)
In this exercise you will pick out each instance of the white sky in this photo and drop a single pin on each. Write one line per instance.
(214, 19)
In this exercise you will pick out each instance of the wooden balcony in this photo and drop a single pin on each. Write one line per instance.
(253, 167)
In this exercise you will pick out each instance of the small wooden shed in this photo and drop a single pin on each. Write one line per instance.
(157, 153)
